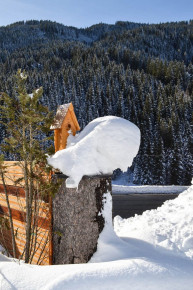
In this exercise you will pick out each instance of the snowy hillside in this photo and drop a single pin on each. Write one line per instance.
(142, 73)
(151, 251)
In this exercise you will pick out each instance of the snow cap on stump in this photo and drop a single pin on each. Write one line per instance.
(104, 145)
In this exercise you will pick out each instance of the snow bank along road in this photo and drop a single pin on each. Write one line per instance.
(142, 189)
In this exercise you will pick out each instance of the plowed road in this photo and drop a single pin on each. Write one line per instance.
(127, 205)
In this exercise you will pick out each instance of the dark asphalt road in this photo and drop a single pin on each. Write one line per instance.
(128, 205)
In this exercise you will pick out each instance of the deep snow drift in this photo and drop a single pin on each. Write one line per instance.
(170, 226)
(141, 257)
(105, 144)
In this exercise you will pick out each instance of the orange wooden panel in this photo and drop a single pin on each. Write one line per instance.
(61, 134)
(20, 248)
(13, 190)
(12, 179)
(67, 125)
(18, 215)
(12, 163)
(20, 240)
(17, 202)
(5, 239)
(13, 175)
(13, 166)
(57, 133)
(73, 116)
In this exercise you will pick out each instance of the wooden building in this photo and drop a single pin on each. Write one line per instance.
(65, 121)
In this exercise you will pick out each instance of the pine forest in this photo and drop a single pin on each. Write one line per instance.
(140, 72)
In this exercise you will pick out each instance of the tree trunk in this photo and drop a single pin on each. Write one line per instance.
(27, 200)
(78, 220)
(10, 215)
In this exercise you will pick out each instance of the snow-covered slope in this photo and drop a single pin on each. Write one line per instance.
(152, 251)
(104, 145)
(170, 226)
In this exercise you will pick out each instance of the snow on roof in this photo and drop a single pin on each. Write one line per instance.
(60, 115)
(104, 145)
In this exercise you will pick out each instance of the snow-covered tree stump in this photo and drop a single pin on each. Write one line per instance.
(77, 219)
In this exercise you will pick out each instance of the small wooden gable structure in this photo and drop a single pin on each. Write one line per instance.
(65, 120)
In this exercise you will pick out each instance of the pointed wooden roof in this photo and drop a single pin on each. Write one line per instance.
(61, 114)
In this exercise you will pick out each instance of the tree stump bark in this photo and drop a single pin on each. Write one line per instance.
(77, 221)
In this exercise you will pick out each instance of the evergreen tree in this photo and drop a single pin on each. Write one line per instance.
(26, 122)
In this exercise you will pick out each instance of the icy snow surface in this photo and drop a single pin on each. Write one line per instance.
(152, 251)
(105, 144)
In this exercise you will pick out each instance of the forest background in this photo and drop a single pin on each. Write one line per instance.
(140, 72)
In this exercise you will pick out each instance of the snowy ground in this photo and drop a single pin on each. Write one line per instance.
(157, 189)
(152, 251)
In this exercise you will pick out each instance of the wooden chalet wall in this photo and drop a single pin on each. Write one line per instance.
(16, 196)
